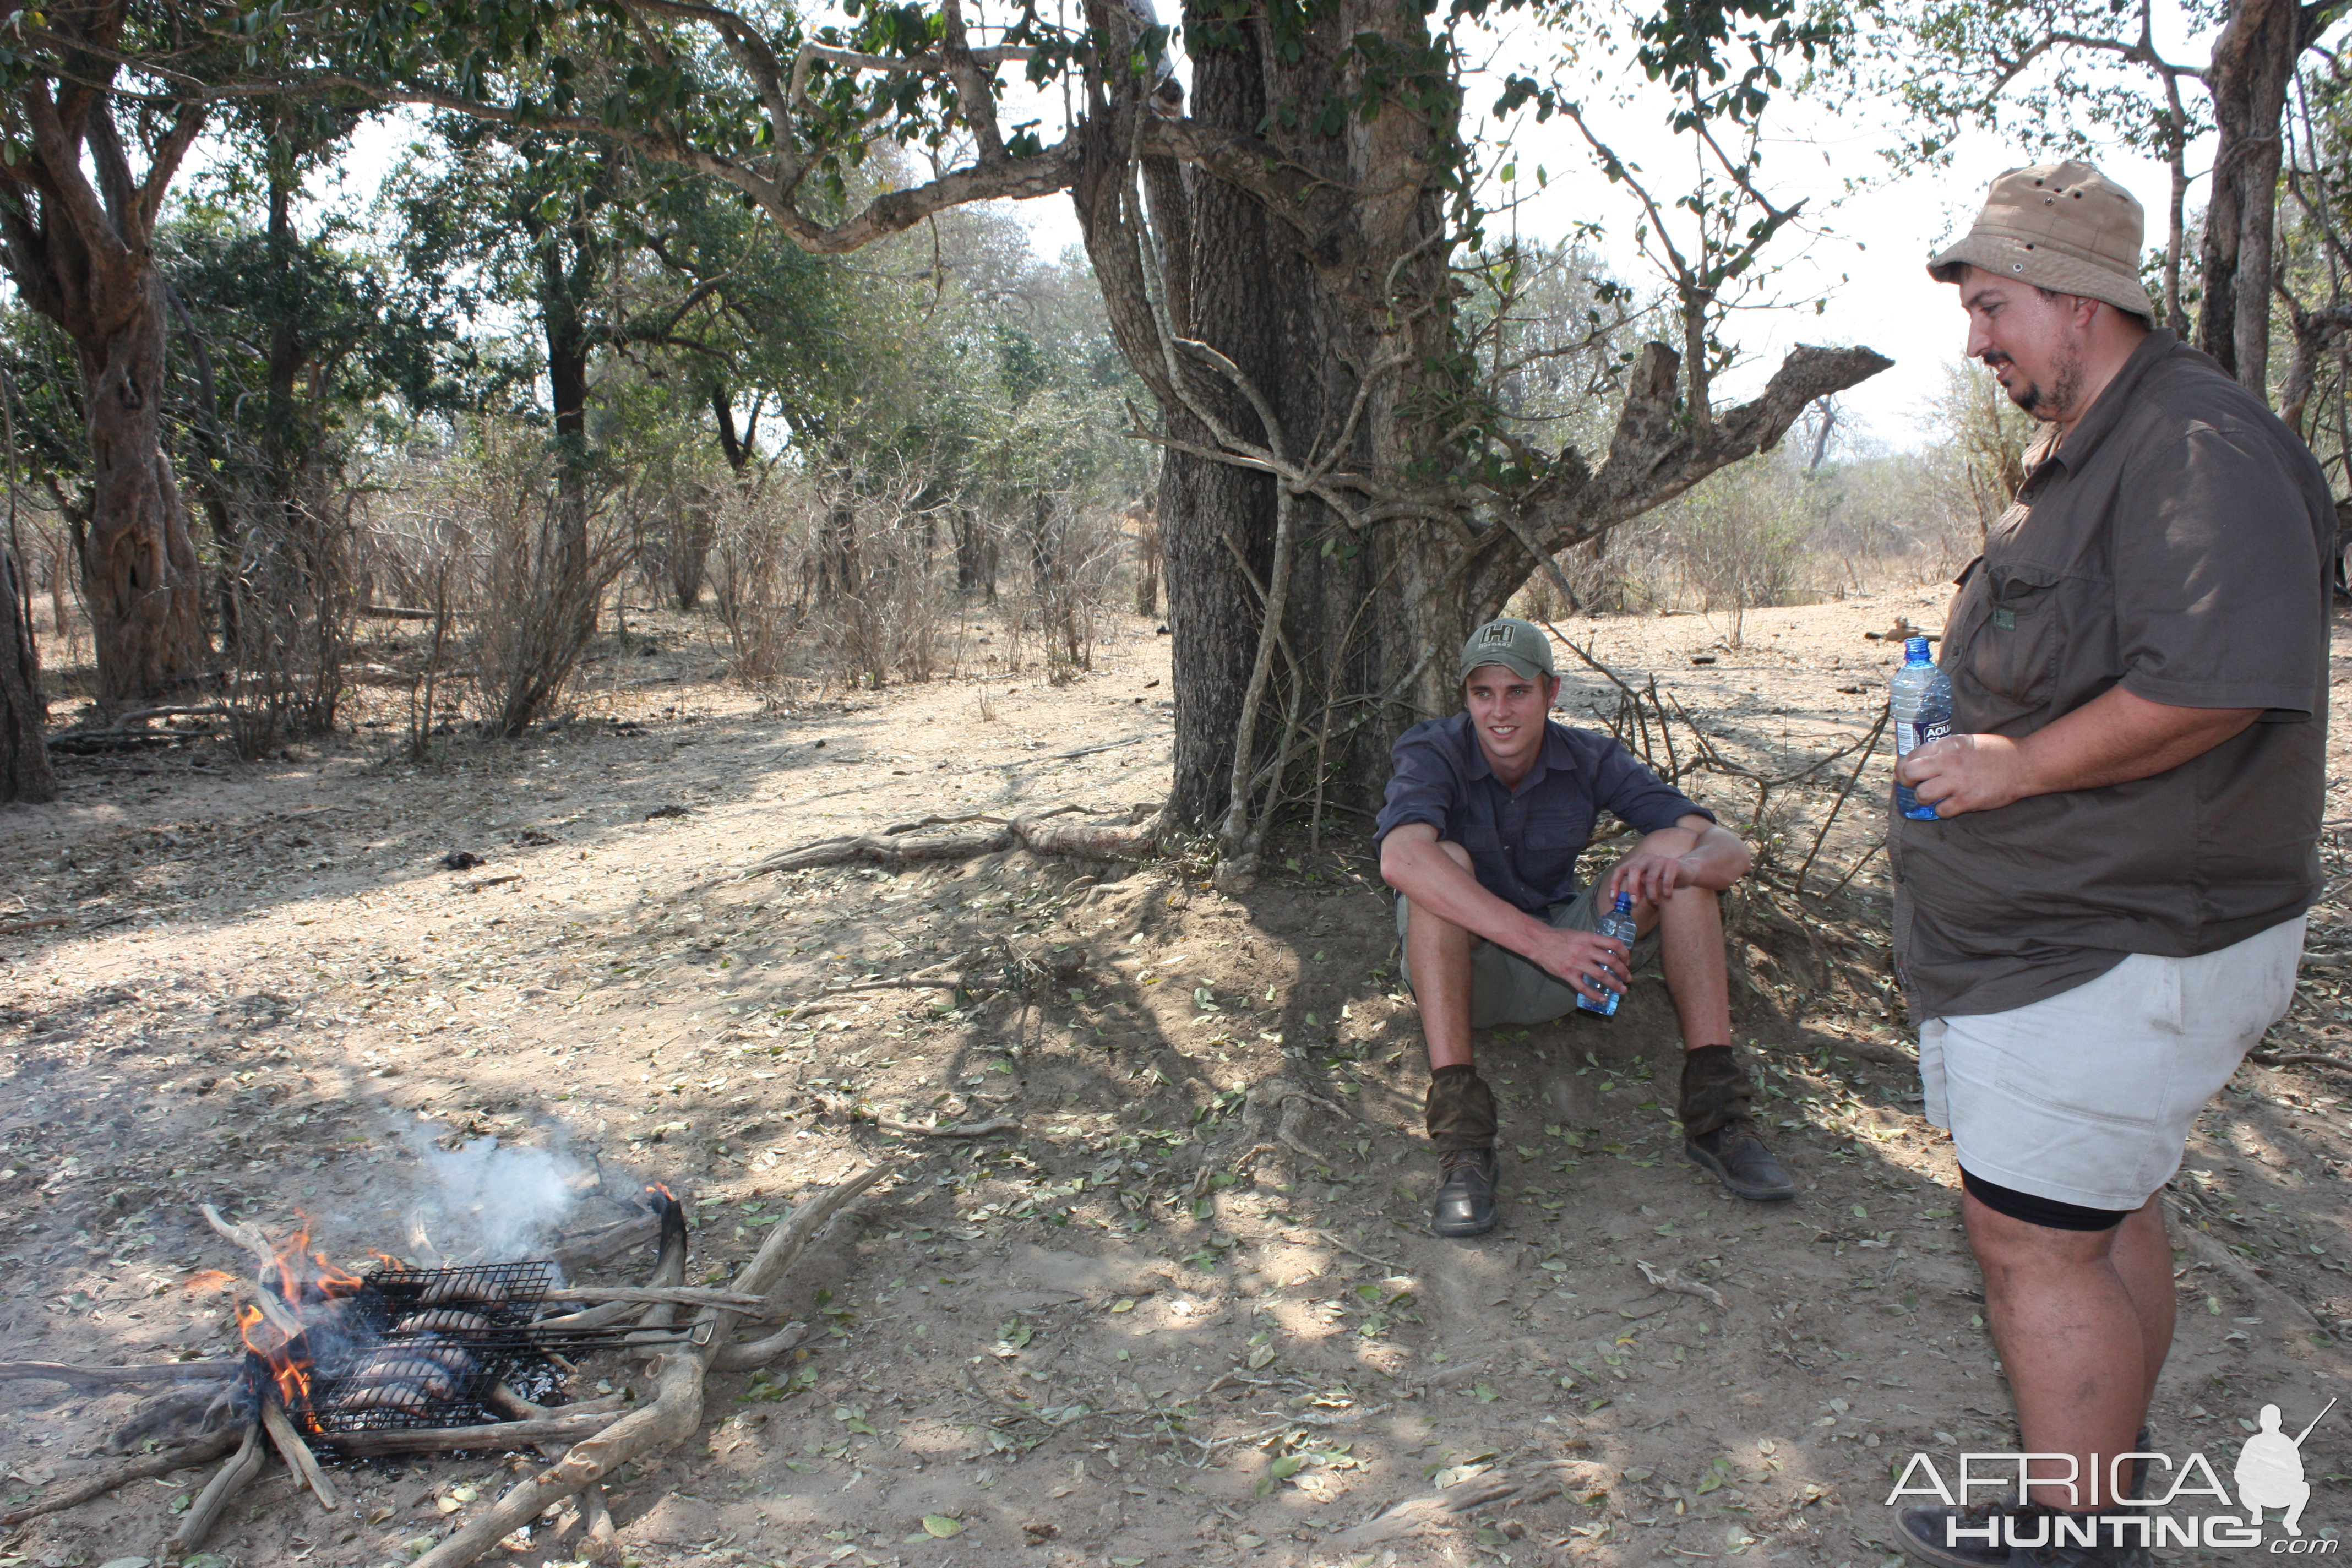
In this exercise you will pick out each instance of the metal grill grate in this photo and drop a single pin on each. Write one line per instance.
(425, 1347)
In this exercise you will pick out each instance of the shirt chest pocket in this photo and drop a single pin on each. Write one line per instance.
(1556, 834)
(2015, 649)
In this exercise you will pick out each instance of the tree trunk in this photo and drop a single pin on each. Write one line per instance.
(2253, 61)
(79, 225)
(23, 753)
(139, 568)
(1313, 269)
(694, 526)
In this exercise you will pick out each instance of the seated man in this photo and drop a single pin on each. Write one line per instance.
(1486, 815)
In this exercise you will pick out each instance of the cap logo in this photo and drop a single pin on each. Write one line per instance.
(1495, 634)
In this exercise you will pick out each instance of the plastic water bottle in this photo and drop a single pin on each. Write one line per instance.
(1921, 696)
(1618, 923)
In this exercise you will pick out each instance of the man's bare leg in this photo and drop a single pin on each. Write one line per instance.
(1721, 1136)
(2082, 1321)
(1437, 952)
(1690, 940)
(1461, 1109)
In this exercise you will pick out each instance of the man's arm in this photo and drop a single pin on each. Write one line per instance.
(2113, 739)
(1413, 863)
(1694, 852)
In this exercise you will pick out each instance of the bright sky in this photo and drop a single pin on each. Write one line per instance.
(1865, 257)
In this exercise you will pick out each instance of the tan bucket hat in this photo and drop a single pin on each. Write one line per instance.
(2063, 226)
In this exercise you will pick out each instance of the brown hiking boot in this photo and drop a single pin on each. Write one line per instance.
(1462, 1122)
(1719, 1136)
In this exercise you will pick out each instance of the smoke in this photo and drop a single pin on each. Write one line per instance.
(493, 1204)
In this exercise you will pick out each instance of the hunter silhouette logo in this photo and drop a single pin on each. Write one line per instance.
(2269, 1471)
(1497, 635)
(2269, 1475)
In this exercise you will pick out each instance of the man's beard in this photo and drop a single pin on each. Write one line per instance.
(2052, 402)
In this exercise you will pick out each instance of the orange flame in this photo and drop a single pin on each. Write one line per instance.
(297, 1276)
(282, 1271)
(273, 1345)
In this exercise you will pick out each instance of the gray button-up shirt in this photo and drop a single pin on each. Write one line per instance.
(1524, 843)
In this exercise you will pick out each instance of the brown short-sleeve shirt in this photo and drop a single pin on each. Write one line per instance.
(2178, 543)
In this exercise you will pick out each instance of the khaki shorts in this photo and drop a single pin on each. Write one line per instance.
(1506, 988)
(2086, 1097)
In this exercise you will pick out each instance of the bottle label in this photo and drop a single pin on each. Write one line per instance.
(1909, 737)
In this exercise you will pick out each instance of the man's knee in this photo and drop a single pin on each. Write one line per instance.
(2006, 1243)
(1414, 920)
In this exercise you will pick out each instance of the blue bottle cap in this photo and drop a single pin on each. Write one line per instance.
(1914, 650)
(1624, 903)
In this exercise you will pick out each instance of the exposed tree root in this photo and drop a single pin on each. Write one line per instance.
(2299, 1059)
(1288, 1100)
(1409, 1516)
(1099, 841)
(2215, 1255)
(994, 1124)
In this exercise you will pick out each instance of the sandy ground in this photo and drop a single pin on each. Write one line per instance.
(1041, 1347)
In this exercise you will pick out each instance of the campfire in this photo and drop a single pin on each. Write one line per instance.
(476, 1357)
(401, 1348)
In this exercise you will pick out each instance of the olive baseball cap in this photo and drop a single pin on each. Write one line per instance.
(2062, 227)
(1516, 645)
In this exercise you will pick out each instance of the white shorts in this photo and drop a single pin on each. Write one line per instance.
(2086, 1097)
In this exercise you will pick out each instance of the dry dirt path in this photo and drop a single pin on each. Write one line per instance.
(271, 996)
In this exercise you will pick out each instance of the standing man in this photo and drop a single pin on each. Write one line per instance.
(1486, 815)
(2108, 911)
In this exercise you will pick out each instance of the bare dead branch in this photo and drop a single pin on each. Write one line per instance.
(228, 1481)
(89, 1487)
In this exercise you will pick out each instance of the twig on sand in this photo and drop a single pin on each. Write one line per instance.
(120, 1376)
(952, 1129)
(89, 1487)
(18, 928)
(2299, 1059)
(1671, 1279)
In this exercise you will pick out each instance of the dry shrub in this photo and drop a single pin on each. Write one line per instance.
(884, 579)
(1074, 555)
(757, 584)
(542, 556)
(283, 579)
(1743, 543)
(512, 560)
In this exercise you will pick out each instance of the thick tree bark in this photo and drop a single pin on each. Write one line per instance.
(23, 753)
(1292, 313)
(140, 573)
(2254, 62)
(79, 224)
